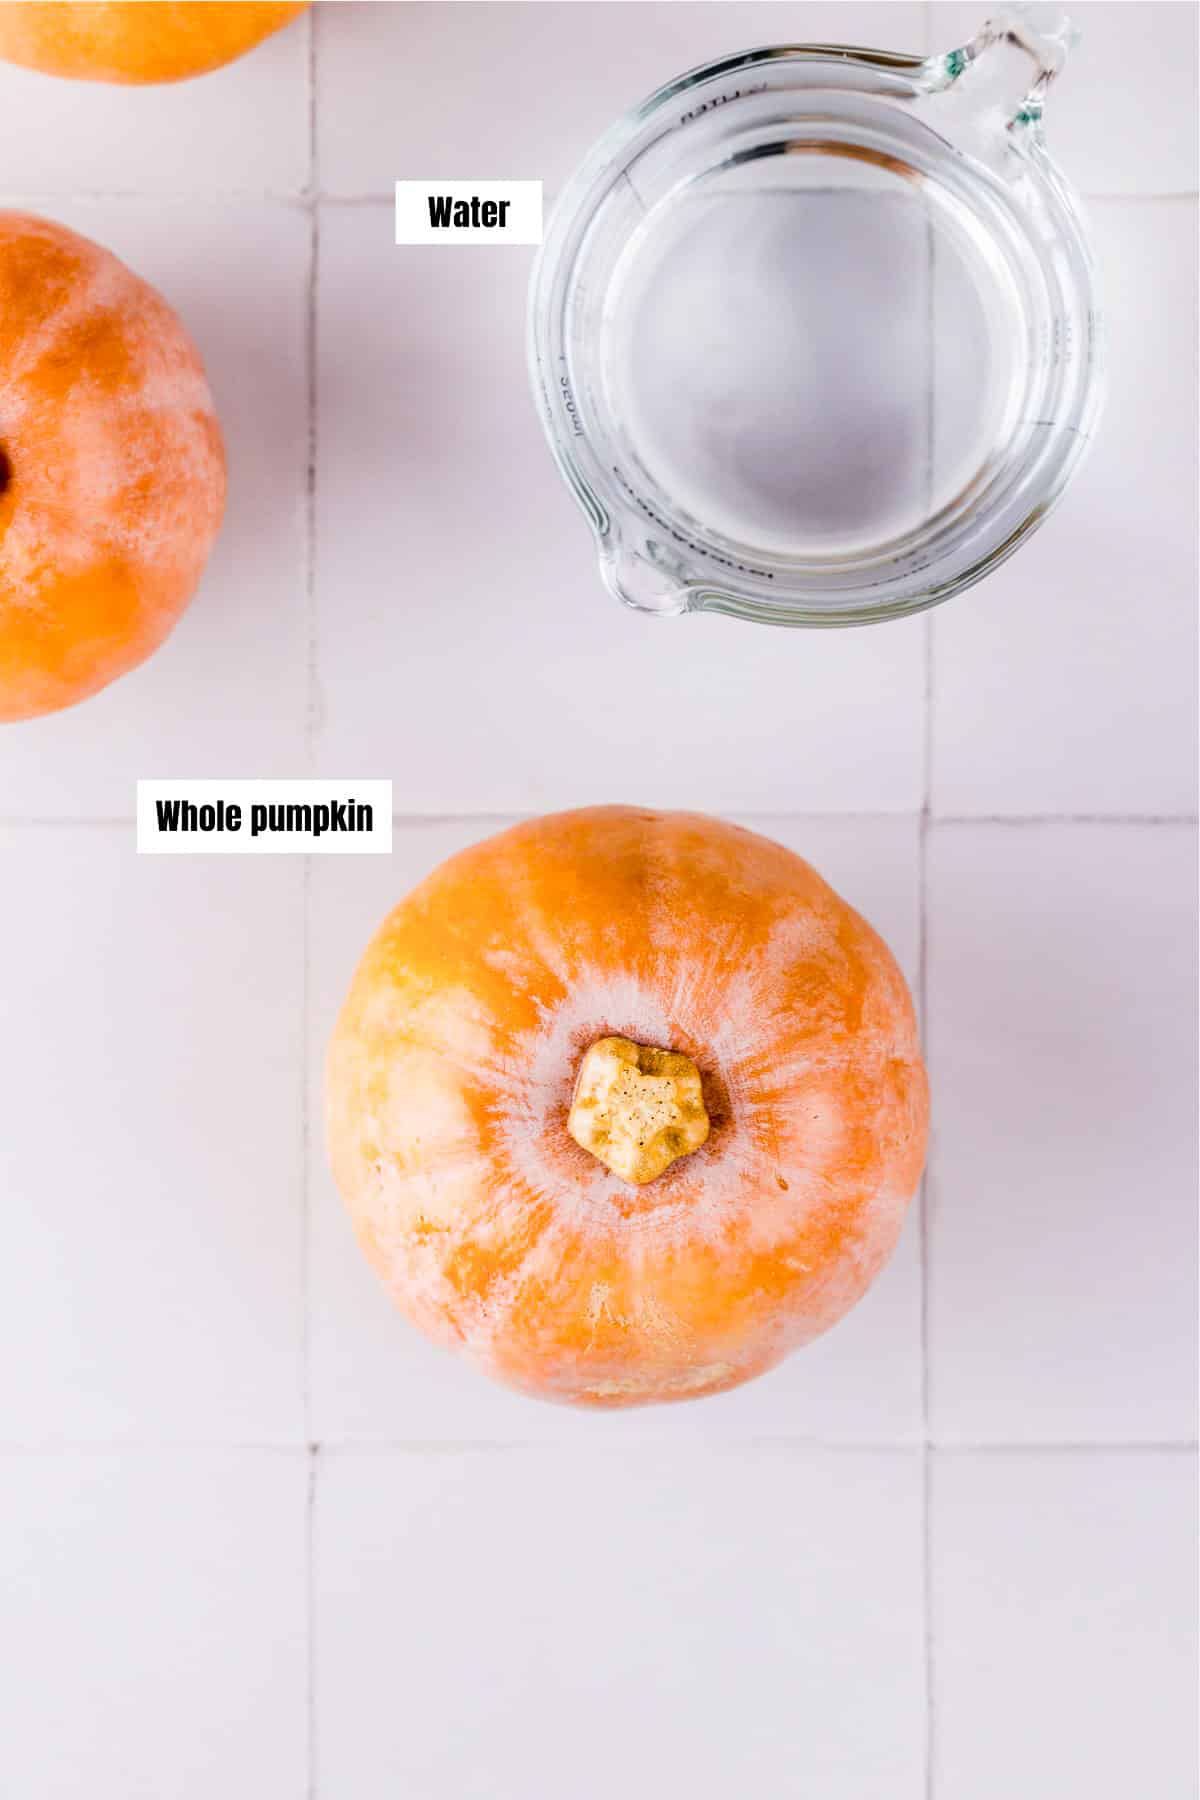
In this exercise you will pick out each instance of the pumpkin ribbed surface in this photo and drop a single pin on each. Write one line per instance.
(112, 473)
(453, 1067)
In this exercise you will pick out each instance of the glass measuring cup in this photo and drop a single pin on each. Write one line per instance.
(813, 331)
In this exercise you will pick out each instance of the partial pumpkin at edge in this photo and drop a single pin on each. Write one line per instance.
(112, 467)
(136, 42)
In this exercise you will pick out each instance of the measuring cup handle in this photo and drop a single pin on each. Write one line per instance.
(1003, 50)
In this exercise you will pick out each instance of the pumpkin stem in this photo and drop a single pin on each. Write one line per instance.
(637, 1109)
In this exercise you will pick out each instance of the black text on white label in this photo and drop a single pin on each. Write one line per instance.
(468, 212)
(280, 818)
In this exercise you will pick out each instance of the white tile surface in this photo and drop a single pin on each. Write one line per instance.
(660, 1584)
(375, 1379)
(464, 640)
(1064, 1618)
(513, 1625)
(1066, 682)
(1120, 117)
(152, 1634)
(524, 89)
(150, 1289)
(226, 694)
(1062, 1053)
(244, 127)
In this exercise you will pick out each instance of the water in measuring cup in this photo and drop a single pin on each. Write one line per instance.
(806, 371)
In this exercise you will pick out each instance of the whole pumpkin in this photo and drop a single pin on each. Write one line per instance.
(626, 1105)
(112, 471)
(134, 41)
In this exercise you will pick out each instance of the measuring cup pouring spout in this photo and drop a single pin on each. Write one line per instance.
(643, 584)
(813, 329)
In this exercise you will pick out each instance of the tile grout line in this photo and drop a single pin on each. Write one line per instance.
(1029, 819)
(312, 203)
(923, 988)
(419, 821)
(317, 1449)
(927, 1615)
(304, 197)
(924, 1223)
(551, 196)
(744, 812)
(310, 1613)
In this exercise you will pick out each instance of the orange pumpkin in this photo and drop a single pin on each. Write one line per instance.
(653, 992)
(134, 40)
(112, 472)
(661, 994)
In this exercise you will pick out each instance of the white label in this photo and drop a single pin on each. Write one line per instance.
(264, 818)
(468, 212)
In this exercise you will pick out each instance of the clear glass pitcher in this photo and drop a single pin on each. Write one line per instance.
(813, 330)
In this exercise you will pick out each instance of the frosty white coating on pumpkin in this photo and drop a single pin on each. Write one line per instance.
(453, 1070)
